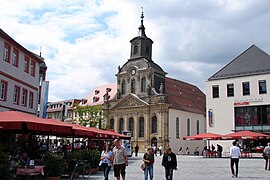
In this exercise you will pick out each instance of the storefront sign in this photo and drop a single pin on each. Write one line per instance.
(247, 101)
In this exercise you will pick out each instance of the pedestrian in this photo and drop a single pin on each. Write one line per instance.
(136, 150)
(149, 160)
(234, 155)
(106, 160)
(170, 163)
(120, 160)
(219, 150)
(266, 152)
(154, 147)
(160, 150)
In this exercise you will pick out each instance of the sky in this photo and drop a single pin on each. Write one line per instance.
(84, 41)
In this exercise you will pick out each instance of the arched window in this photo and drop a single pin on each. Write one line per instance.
(131, 126)
(143, 84)
(177, 128)
(198, 127)
(123, 87)
(133, 86)
(111, 123)
(188, 127)
(154, 125)
(121, 125)
(135, 49)
(141, 127)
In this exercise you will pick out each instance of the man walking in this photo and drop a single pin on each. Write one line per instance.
(266, 151)
(234, 155)
(170, 163)
(120, 160)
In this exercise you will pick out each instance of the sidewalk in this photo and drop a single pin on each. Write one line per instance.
(197, 168)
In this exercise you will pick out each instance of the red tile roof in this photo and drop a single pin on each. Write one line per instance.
(184, 96)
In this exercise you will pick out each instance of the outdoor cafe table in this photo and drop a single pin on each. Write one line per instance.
(30, 170)
(245, 154)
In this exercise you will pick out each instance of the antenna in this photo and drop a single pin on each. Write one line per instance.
(40, 51)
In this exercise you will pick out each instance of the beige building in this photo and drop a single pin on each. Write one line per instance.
(156, 109)
(21, 75)
(238, 95)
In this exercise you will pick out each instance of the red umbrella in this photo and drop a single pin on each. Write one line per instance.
(205, 136)
(245, 135)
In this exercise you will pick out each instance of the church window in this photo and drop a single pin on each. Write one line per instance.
(135, 51)
(143, 84)
(147, 50)
(154, 125)
(177, 128)
(131, 125)
(141, 127)
(111, 123)
(133, 86)
(121, 125)
(198, 127)
(188, 127)
(123, 87)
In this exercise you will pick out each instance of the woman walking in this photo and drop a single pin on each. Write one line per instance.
(149, 159)
(106, 161)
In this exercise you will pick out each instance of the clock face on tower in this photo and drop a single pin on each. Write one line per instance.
(133, 71)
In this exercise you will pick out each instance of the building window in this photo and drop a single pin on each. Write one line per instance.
(143, 85)
(135, 49)
(7, 48)
(15, 57)
(121, 125)
(26, 64)
(3, 91)
(198, 127)
(141, 127)
(246, 88)
(215, 91)
(31, 100)
(177, 128)
(230, 90)
(24, 97)
(147, 50)
(95, 99)
(262, 87)
(133, 88)
(111, 123)
(16, 95)
(188, 127)
(32, 68)
(154, 124)
(131, 126)
(123, 87)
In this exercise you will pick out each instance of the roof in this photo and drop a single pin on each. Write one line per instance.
(252, 61)
(96, 96)
(184, 96)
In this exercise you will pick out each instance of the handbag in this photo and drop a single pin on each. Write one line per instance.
(143, 166)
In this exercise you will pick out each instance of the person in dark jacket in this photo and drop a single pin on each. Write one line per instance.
(170, 163)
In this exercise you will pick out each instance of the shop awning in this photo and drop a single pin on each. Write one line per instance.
(14, 120)
(79, 130)
(245, 135)
(205, 136)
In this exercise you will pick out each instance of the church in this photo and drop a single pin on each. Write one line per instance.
(156, 109)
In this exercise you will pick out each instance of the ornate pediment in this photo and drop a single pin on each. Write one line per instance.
(130, 100)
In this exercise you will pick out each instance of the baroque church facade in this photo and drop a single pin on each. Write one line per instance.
(154, 108)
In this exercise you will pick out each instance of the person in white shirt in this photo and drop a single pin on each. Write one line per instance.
(234, 155)
(266, 151)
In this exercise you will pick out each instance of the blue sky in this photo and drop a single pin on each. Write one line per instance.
(84, 41)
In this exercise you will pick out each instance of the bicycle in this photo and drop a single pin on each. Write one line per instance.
(83, 167)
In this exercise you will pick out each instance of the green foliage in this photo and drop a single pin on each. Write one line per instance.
(53, 164)
(89, 115)
(5, 173)
(91, 156)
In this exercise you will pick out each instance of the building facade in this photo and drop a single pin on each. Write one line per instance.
(238, 95)
(154, 108)
(21, 74)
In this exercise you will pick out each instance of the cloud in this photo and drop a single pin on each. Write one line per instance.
(84, 41)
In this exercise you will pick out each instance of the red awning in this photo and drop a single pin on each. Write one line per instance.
(80, 130)
(245, 135)
(14, 120)
(205, 136)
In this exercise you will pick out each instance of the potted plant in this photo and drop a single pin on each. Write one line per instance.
(53, 166)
